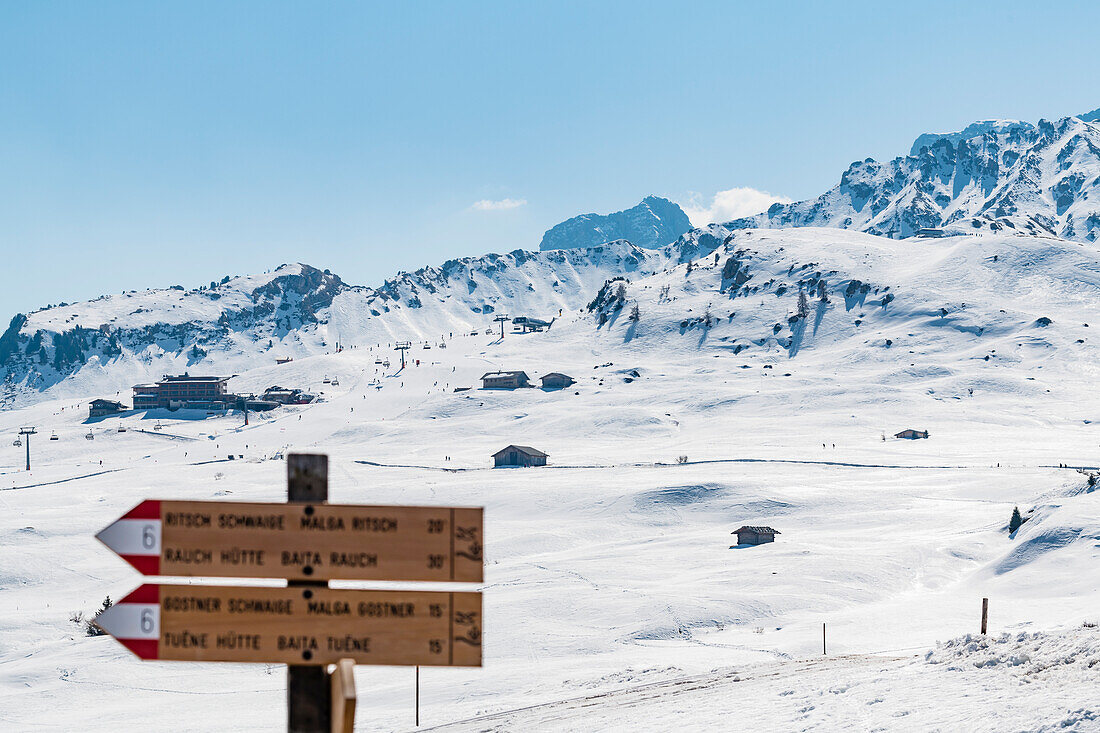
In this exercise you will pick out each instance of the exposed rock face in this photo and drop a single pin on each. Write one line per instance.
(1009, 176)
(651, 224)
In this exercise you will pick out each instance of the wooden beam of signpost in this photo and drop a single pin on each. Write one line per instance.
(308, 694)
(343, 697)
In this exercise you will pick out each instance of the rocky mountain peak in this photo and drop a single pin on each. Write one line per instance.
(652, 224)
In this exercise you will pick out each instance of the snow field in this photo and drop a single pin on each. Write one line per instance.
(611, 568)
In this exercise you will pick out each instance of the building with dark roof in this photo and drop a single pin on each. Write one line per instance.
(556, 380)
(183, 391)
(288, 396)
(100, 408)
(755, 535)
(505, 380)
(519, 455)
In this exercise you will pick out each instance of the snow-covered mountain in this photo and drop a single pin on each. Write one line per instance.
(760, 384)
(295, 310)
(1000, 175)
(653, 223)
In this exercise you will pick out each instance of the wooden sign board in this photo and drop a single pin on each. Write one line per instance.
(300, 541)
(299, 626)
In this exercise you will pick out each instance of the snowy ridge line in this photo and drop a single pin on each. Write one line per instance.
(675, 685)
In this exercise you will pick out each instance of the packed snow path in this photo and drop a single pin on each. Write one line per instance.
(1040, 682)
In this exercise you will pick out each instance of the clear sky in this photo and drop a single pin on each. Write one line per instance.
(147, 144)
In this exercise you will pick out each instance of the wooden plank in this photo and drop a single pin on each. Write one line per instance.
(308, 540)
(343, 697)
(298, 625)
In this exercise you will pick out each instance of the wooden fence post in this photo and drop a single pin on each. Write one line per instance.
(308, 691)
(985, 614)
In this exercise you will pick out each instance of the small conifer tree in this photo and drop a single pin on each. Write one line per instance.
(803, 304)
(1016, 521)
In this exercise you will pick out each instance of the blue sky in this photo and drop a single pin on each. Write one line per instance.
(149, 144)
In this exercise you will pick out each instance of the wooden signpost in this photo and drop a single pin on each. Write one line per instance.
(306, 625)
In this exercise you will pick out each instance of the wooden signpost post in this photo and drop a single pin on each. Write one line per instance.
(306, 625)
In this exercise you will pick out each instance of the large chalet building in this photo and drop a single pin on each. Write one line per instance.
(183, 391)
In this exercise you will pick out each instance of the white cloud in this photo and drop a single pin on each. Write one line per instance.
(501, 205)
(730, 204)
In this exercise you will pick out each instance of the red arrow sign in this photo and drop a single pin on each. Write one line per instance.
(135, 621)
(136, 537)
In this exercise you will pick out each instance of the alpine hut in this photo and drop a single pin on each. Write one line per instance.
(519, 455)
(755, 535)
(556, 380)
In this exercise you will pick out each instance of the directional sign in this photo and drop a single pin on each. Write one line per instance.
(300, 626)
(300, 541)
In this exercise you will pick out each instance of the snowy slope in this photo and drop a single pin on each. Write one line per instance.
(611, 568)
(993, 176)
(1027, 681)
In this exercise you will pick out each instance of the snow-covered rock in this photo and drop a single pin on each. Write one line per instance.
(999, 175)
(653, 223)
